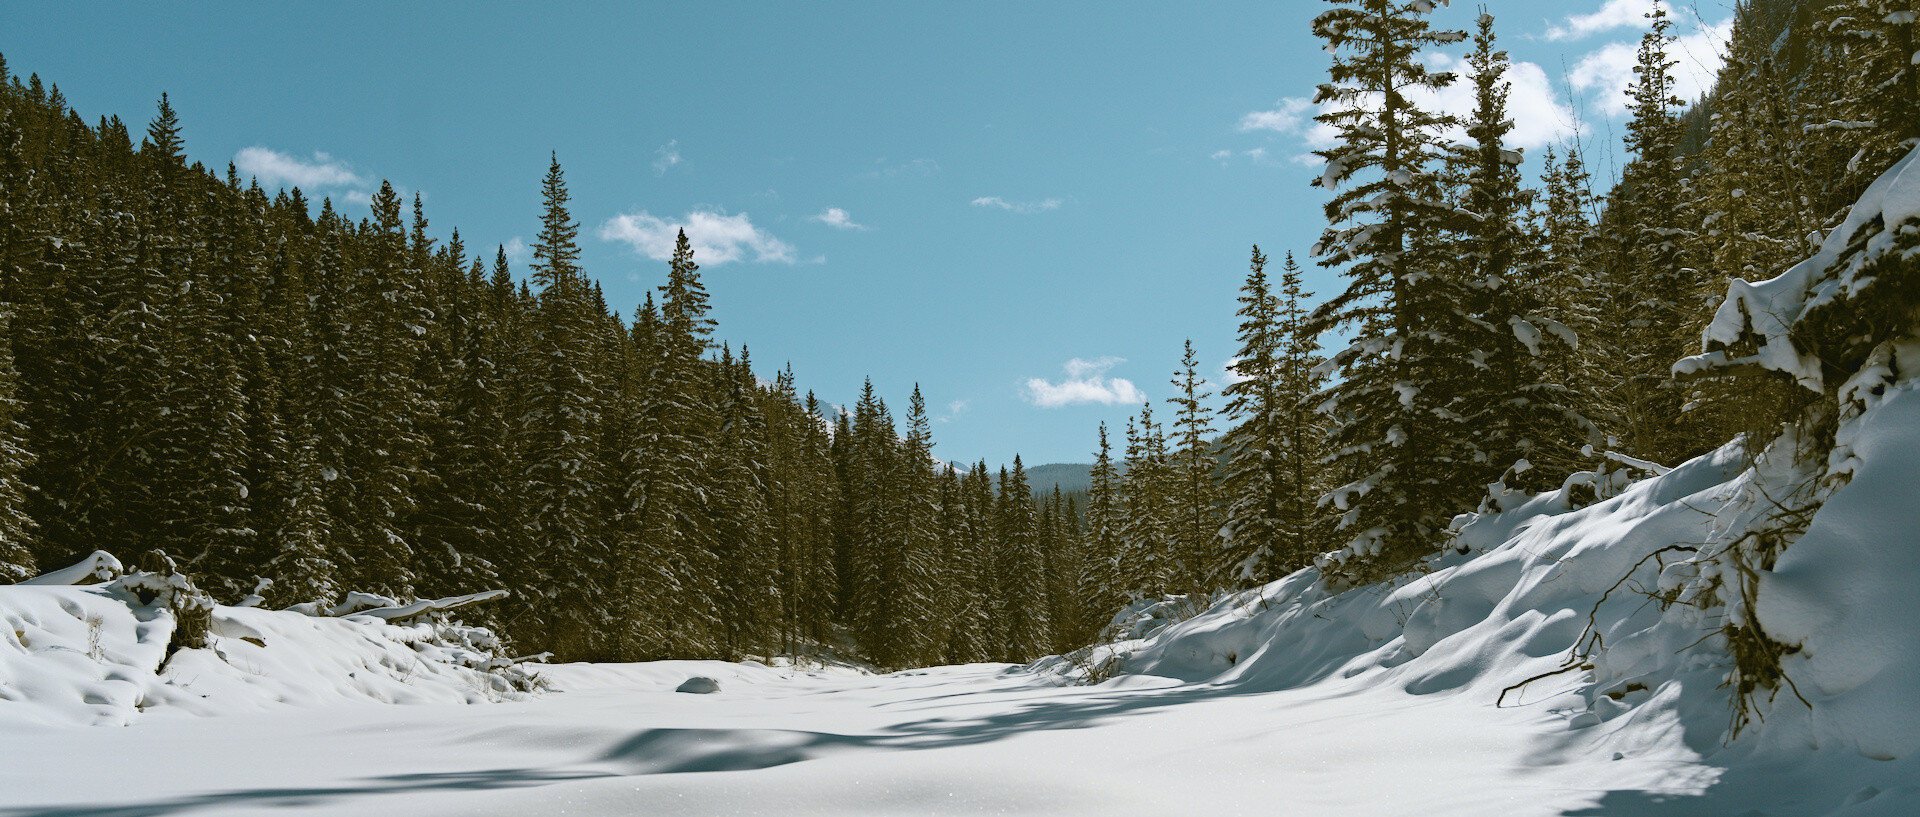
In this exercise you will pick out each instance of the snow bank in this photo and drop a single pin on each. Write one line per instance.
(1619, 609)
(95, 655)
(1610, 619)
(1881, 222)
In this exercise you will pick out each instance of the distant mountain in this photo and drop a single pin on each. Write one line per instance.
(1072, 477)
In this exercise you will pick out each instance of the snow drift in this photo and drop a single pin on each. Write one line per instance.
(97, 655)
(1626, 611)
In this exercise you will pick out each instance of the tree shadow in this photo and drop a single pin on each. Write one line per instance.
(680, 751)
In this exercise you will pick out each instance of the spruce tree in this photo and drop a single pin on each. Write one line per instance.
(1273, 525)
(1393, 423)
(1522, 423)
(1021, 570)
(16, 528)
(563, 474)
(1650, 321)
(1104, 586)
(1195, 500)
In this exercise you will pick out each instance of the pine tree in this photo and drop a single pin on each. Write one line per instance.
(1650, 318)
(1104, 587)
(1196, 504)
(16, 528)
(1021, 569)
(1393, 422)
(388, 458)
(747, 601)
(1521, 422)
(915, 577)
(1147, 556)
(1273, 526)
(563, 473)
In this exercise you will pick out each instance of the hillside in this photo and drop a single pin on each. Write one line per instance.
(1071, 477)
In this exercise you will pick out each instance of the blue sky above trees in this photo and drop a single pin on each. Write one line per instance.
(1024, 209)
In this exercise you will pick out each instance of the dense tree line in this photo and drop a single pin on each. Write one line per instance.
(261, 386)
(1495, 335)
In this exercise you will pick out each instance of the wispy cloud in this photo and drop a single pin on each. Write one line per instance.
(517, 250)
(838, 219)
(1606, 72)
(276, 169)
(1616, 14)
(665, 157)
(954, 409)
(1086, 382)
(717, 238)
(1230, 372)
(1021, 207)
(1287, 116)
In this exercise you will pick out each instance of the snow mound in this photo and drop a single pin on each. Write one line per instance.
(96, 655)
(1753, 616)
(1612, 618)
(1883, 223)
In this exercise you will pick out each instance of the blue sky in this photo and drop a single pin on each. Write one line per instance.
(1023, 207)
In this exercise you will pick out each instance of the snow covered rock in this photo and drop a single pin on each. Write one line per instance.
(698, 685)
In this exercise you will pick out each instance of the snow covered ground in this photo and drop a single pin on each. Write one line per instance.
(955, 740)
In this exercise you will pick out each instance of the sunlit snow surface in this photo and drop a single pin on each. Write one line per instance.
(959, 740)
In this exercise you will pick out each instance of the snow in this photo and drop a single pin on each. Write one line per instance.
(78, 656)
(98, 565)
(1768, 310)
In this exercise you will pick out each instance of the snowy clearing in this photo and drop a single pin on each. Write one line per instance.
(959, 740)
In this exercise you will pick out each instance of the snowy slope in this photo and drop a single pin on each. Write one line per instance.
(1655, 682)
(93, 655)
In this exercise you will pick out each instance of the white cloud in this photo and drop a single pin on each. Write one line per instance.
(1021, 207)
(1086, 382)
(1615, 14)
(1604, 73)
(838, 219)
(276, 169)
(954, 409)
(717, 238)
(1230, 375)
(518, 251)
(1288, 116)
(1539, 114)
(665, 157)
